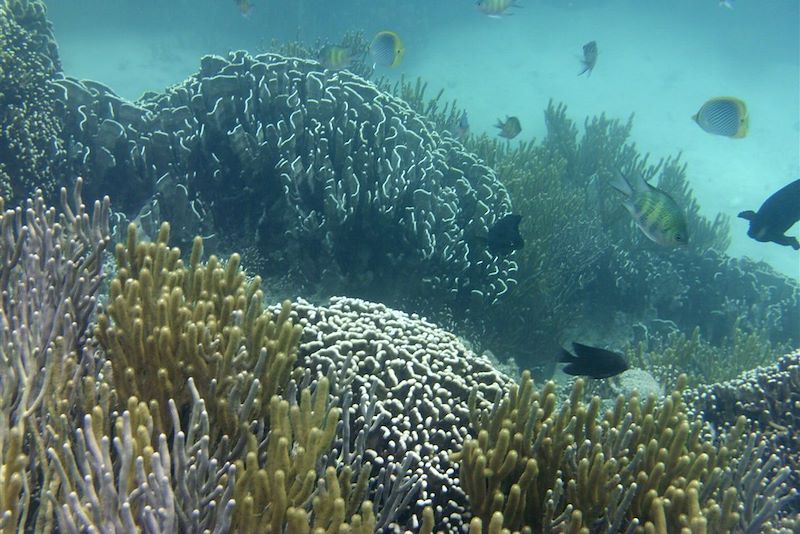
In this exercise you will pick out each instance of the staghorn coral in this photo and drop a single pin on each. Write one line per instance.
(201, 321)
(50, 275)
(31, 149)
(703, 363)
(644, 467)
(769, 396)
(294, 151)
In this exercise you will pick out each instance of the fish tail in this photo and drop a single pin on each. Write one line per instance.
(621, 183)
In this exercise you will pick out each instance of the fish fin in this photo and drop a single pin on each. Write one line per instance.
(620, 183)
(744, 126)
(787, 241)
(748, 215)
(566, 356)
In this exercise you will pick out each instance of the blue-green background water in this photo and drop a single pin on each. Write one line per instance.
(659, 60)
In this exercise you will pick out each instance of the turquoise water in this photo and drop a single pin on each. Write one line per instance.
(659, 60)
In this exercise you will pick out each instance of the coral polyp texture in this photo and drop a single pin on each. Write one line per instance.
(281, 152)
(31, 149)
(770, 397)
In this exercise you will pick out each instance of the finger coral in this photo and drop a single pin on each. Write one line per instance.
(166, 322)
(643, 466)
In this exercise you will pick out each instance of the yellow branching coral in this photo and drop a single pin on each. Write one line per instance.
(645, 465)
(167, 321)
(276, 494)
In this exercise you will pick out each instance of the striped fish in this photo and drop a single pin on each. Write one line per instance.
(724, 115)
(387, 49)
(335, 57)
(656, 214)
(496, 8)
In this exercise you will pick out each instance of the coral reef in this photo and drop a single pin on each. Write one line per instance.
(582, 251)
(31, 149)
(403, 385)
(672, 354)
(531, 467)
(332, 178)
(769, 396)
(50, 275)
(204, 321)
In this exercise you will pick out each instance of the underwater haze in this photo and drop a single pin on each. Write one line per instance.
(658, 60)
(292, 266)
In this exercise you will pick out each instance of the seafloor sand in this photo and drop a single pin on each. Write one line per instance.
(659, 60)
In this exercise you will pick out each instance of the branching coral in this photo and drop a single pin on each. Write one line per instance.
(769, 396)
(643, 466)
(703, 362)
(167, 322)
(50, 274)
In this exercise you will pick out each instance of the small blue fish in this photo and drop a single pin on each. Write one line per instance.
(461, 131)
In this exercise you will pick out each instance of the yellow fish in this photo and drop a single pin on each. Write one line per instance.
(335, 57)
(724, 115)
(387, 49)
(496, 8)
(656, 214)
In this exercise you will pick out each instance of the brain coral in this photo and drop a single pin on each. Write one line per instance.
(404, 384)
(280, 152)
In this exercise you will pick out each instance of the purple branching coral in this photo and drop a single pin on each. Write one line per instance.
(50, 275)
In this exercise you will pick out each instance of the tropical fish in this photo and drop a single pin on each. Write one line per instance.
(726, 3)
(592, 361)
(509, 128)
(589, 57)
(654, 211)
(496, 8)
(461, 131)
(775, 216)
(387, 49)
(724, 115)
(334, 57)
(245, 7)
(503, 237)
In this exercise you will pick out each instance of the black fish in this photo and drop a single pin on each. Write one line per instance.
(503, 237)
(589, 57)
(775, 216)
(592, 362)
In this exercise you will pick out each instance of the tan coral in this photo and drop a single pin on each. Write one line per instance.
(167, 322)
(642, 465)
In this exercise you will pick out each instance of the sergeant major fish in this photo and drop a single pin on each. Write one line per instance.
(775, 216)
(496, 8)
(334, 57)
(655, 212)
